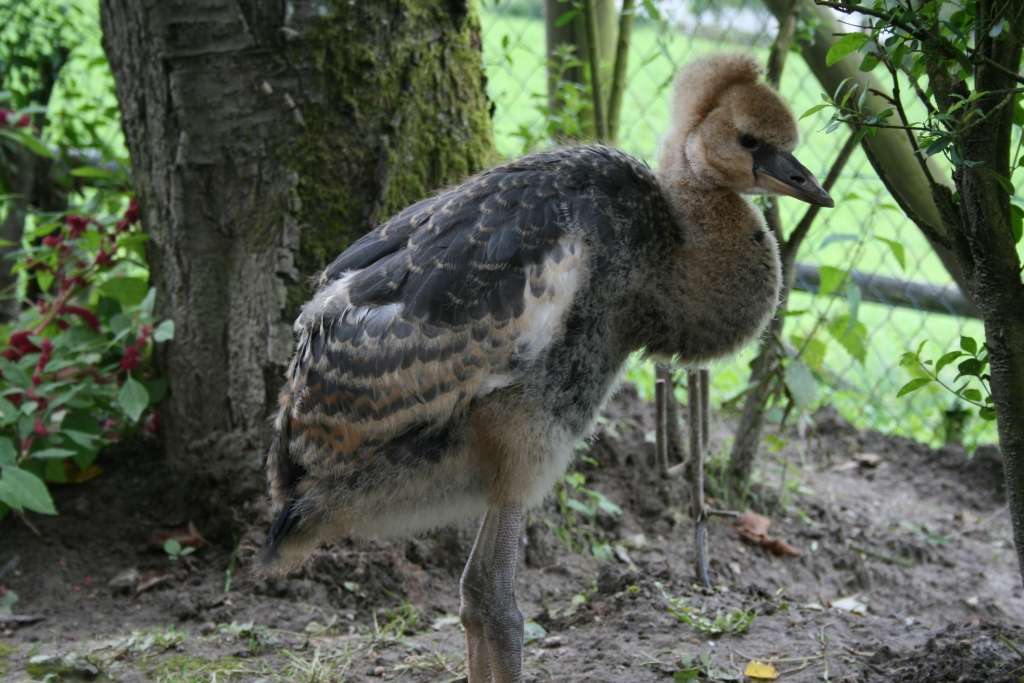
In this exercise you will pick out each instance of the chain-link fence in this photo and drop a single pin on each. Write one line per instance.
(866, 232)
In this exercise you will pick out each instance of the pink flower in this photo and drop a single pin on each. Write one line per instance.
(52, 241)
(23, 121)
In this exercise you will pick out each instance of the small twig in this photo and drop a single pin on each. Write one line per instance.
(590, 21)
(712, 512)
(693, 396)
(792, 243)
(660, 424)
(618, 87)
(705, 410)
(1010, 644)
(27, 522)
(890, 559)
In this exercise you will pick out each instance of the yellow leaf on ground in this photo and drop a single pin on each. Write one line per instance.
(760, 671)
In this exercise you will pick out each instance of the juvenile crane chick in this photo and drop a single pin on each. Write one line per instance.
(450, 359)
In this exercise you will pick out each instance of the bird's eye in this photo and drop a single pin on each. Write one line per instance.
(749, 141)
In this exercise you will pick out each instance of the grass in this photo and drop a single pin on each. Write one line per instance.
(514, 60)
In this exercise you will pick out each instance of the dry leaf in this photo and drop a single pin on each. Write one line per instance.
(752, 525)
(753, 528)
(82, 476)
(867, 459)
(850, 604)
(760, 671)
(777, 546)
(151, 581)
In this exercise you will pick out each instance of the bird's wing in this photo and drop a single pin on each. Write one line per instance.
(435, 307)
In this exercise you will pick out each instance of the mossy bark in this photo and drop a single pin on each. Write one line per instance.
(265, 136)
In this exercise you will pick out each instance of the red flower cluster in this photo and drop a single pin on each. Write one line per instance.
(76, 225)
(6, 115)
(133, 352)
(45, 354)
(131, 216)
(18, 345)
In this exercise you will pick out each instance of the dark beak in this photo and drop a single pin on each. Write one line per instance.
(779, 172)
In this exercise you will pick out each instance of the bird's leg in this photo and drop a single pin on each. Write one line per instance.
(493, 622)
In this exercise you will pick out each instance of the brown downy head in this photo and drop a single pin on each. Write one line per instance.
(730, 130)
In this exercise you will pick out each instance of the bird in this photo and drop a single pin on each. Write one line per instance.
(450, 359)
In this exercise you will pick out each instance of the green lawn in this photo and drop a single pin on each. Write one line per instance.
(514, 58)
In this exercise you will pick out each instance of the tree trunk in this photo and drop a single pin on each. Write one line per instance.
(986, 242)
(265, 137)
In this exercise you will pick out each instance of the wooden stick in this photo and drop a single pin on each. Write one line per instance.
(618, 86)
(705, 410)
(660, 424)
(693, 391)
(590, 25)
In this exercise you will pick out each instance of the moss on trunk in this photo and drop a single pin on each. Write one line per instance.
(399, 111)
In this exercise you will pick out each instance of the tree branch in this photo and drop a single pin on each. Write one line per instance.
(618, 86)
(590, 21)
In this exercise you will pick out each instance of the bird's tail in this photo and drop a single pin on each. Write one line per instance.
(285, 546)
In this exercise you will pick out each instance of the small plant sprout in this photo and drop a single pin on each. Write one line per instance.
(734, 622)
(176, 551)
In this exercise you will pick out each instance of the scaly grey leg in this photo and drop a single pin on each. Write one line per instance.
(493, 622)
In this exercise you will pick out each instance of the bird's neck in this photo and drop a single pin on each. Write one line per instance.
(718, 278)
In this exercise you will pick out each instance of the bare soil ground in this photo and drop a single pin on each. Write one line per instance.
(906, 573)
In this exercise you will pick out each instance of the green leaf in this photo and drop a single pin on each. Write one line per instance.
(897, 250)
(146, 307)
(838, 237)
(1016, 223)
(869, 62)
(172, 547)
(815, 109)
(969, 344)
(851, 42)
(851, 335)
(652, 10)
(813, 351)
(8, 413)
(164, 331)
(566, 17)
(83, 439)
(579, 507)
(28, 140)
(971, 395)
(913, 385)
(853, 298)
(52, 453)
(133, 398)
(98, 173)
(128, 291)
(8, 456)
(946, 359)
(987, 413)
(831, 279)
(801, 384)
(971, 367)
(29, 490)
